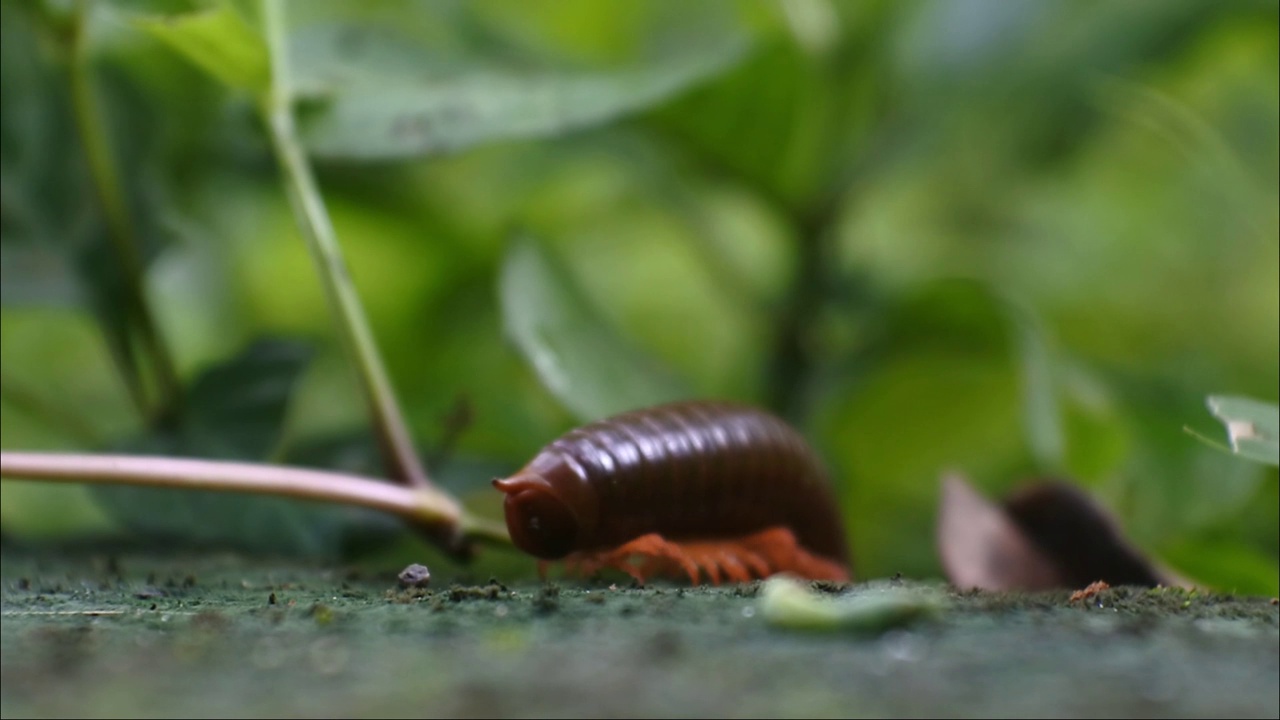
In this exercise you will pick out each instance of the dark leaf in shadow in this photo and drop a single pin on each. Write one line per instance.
(57, 246)
(236, 410)
(1046, 535)
(1080, 536)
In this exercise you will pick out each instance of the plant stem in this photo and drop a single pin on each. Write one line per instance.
(793, 354)
(317, 230)
(425, 509)
(474, 527)
(124, 241)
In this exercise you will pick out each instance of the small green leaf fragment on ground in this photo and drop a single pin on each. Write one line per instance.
(1253, 427)
(218, 40)
(787, 603)
(35, 274)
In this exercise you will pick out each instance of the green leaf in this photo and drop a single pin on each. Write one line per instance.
(1042, 414)
(767, 123)
(1253, 427)
(377, 97)
(787, 604)
(240, 405)
(583, 362)
(39, 184)
(936, 387)
(1226, 565)
(219, 41)
(1170, 490)
(235, 410)
(47, 210)
(33, 274)
(1238, 551)
(51, 214)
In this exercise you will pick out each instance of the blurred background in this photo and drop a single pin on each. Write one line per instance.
(1015, 238)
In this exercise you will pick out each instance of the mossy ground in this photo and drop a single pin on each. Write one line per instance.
(218, 635)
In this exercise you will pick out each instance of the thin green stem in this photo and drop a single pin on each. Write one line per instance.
(425, 509)
(794, 356)
(106, 180)
(317, 230)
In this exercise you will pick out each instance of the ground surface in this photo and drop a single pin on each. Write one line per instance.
(216, 635)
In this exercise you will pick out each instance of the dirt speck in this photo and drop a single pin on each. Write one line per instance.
(835, 588)
(546, 600)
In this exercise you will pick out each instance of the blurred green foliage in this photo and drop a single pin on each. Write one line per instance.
(1017, 238)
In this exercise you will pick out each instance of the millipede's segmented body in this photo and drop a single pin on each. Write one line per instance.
(714, 486)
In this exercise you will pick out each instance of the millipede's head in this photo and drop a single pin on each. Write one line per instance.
(540, 522)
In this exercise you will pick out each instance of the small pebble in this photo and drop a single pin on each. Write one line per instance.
(415, 576)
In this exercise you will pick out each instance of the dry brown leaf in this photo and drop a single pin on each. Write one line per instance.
(1046, 535)
(1083, 539)
(982, 548)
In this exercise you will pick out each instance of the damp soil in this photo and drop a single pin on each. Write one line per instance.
(140, 635)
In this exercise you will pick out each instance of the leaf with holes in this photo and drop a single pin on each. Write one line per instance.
(1253, 427)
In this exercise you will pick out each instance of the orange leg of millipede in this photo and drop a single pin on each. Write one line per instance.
(739, 559)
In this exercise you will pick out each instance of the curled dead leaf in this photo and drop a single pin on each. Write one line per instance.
(1043, 536)
(981, 547)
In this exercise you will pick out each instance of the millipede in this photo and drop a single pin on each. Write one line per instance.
(687, 488)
